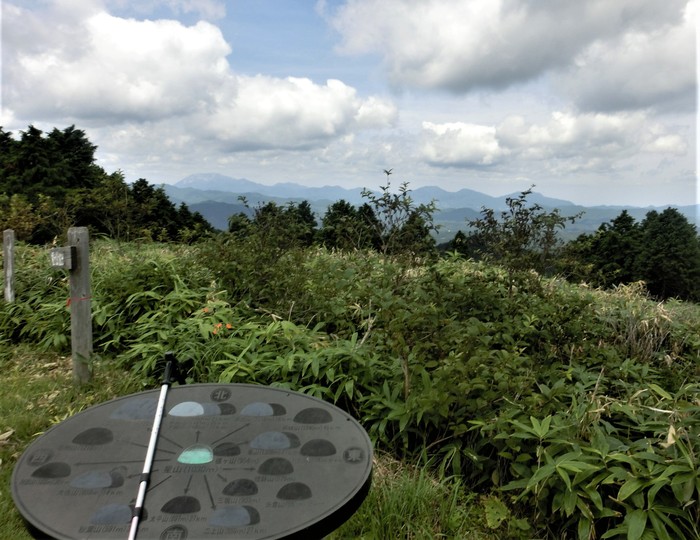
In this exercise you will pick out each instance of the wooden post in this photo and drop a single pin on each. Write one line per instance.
(80, 304)
(8, 257)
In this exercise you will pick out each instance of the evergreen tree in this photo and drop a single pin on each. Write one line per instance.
(8, 160)
(471, 245)
(155, 215)
(74, 157)
(192, 226)
(49, 182)
(239, 225)
(663, 251)
(36, 172)
(613, 250)
(50, 165)
(415, 235)
(669, 259)
(621, 247)
(346, 227)
(368, 229)
(278, 227)
(337, 226)
(302, 222)
(106, 208)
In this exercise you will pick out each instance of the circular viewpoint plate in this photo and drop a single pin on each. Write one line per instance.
(232, 461)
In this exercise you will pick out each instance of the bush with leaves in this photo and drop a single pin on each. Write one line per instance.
(603, 468)
(401, 226)
(522, 237)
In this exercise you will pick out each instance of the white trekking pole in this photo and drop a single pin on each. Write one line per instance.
(148, 463)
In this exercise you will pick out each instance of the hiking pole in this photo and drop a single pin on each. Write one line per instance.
(170, 366)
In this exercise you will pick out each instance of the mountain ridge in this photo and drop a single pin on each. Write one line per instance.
(220, 184)
(217, 197)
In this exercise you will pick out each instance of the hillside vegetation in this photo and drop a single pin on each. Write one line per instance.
(563, 411)
(546, 408)
(50, 181)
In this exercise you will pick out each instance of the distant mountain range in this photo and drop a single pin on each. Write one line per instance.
(216, 197)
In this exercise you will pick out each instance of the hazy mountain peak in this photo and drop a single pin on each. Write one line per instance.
(216, 182)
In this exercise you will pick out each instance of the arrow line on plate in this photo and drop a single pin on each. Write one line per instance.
(211, 497)
(229, 434)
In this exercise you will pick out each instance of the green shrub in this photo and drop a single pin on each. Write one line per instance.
(574, 407)
(606, 468)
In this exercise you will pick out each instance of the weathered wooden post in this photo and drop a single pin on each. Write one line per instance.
(8, 257)
(76, 259)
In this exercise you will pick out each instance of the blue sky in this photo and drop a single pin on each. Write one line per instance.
(592, 101)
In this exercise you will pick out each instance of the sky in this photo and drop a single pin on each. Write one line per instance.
(594, 102)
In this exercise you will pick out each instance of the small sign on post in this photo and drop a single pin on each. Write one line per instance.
(63, 257)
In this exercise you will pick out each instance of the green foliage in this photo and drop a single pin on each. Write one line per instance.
(663, 252)
(345, 227)
(283, 227)
(400, 226)
(523, 237)
(669, 261)
(39, 315)
(609, 468)
(27, 219)
(574, 408)
(406, 502)
(49, 182)
(251, 261)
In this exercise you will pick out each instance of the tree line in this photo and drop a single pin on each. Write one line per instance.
(388, 222)
(662, 250)
(50, 181)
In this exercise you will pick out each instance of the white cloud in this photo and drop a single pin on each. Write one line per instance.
(566, 141)
(375, 112)
(117, 68)
(568, 135)
(638, 70)
(461, 45)
(667, 144)
(164, 73)
(460, 144)
(161, 100)
(293, 113)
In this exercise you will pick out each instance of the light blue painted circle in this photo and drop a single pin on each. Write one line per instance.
(258, 409)
(187, 408)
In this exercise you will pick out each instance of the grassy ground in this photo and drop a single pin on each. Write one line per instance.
(405, 502)
(37, 393)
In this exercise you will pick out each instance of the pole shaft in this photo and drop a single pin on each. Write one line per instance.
(8, 246)
(80, 305)
(148, 463)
